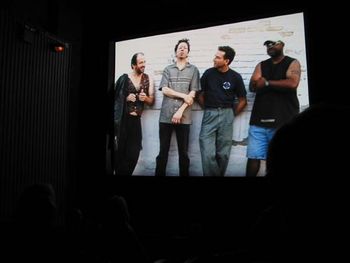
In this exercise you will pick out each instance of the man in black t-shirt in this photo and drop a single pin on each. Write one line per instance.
(275, 82)
(220, 86)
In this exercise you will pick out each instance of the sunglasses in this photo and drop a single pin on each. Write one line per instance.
(272, 44)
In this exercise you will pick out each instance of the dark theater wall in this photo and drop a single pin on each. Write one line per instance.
(34, 101)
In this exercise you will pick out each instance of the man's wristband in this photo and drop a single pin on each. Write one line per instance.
(266, 83)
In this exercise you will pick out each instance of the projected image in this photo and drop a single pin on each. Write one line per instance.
(160, 91)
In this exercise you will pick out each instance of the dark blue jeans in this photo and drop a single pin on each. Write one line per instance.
(182, 136)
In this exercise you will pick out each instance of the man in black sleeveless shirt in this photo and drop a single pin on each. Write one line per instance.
(275, 83)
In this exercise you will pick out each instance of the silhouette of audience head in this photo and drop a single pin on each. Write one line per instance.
(120, 242)
(36, 234)
(307, 147)
(37, 206)
(116, 212)
(306, 162)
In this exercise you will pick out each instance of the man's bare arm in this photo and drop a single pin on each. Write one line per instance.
(175, 94)
(242, 103)
(293, 77)
(177, 117)
(256, 80)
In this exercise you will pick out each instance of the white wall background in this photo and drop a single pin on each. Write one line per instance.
(247, 39)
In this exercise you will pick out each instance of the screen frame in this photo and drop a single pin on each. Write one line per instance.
(171, 29)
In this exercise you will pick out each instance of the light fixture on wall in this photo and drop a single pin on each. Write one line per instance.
(58, 48)
(57, 45)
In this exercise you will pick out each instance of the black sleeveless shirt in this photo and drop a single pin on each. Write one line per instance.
(273, 106)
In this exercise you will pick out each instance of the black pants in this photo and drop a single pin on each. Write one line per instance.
(129, 146)
(182, 136)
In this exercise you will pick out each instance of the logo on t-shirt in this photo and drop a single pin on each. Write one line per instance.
(226, 85)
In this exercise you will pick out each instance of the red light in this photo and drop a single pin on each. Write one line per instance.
(59, 48)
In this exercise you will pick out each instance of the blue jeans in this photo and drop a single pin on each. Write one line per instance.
(215, 140)
(258, 142)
